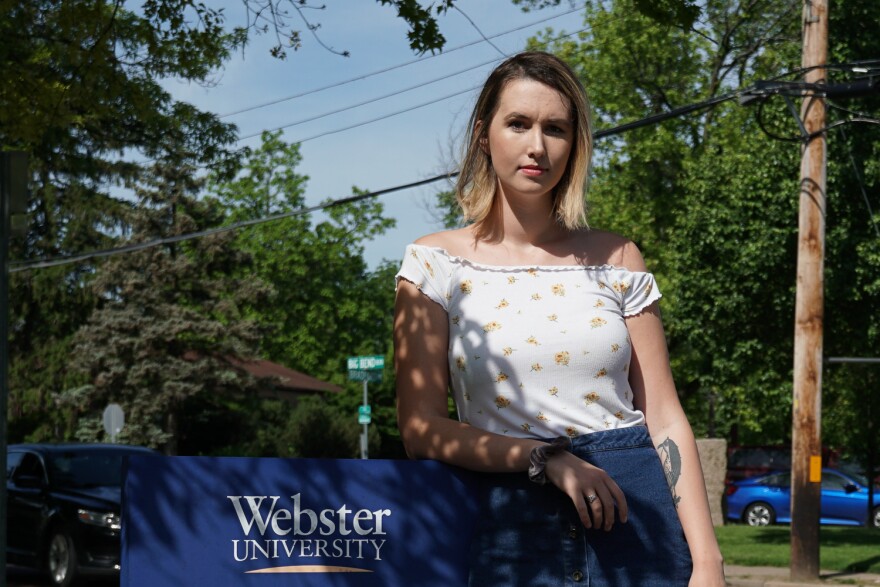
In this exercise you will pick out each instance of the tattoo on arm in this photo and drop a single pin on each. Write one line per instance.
(670, 457)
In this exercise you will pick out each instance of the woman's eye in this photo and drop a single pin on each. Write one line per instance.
(517, 125)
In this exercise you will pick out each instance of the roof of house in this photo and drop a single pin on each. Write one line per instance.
(285, 379)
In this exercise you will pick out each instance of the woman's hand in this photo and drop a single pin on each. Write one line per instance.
(592, 491)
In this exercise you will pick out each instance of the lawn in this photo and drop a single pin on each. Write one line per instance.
(840, 548)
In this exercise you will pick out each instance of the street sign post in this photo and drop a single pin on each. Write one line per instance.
(365, 368)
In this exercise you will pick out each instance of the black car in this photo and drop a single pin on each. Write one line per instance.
(63, 505)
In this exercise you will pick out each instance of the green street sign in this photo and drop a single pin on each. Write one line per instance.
(366, 363)
(365, 376)
(364, 413)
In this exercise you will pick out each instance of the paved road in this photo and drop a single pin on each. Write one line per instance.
(22, 577)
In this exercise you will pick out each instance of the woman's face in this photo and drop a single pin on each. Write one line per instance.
(529, 139)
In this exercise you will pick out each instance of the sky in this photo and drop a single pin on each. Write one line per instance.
(421, 123)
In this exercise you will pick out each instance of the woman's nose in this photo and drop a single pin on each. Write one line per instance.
(536, 143)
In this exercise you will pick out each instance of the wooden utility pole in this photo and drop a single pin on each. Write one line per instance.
(806, 462)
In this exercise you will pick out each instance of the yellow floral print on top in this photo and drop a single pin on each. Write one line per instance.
(535, 352)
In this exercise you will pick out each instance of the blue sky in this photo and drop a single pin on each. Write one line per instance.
(397, 150)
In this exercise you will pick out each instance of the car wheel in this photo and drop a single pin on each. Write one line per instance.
(61, 558)
(875, 517)
(759, 514)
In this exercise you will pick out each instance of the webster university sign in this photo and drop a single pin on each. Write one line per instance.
(304, 531)
(242, 521)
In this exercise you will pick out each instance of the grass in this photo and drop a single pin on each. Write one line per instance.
(840, 548)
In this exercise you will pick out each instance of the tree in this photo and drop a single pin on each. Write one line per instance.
(681, 13)
(851, 405)
(81, 87)
(169, 321)
(327, 305)
(268, 16)
(82, 96)
(317, 429)
(711, 200)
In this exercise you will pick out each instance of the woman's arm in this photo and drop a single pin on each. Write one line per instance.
(421, 340)
(655, 395)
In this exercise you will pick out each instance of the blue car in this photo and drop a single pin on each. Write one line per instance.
(766, 499)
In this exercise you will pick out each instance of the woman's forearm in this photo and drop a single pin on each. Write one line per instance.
(465, 446)
(678, 454)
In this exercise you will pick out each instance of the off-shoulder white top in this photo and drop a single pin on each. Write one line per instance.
(538, 351)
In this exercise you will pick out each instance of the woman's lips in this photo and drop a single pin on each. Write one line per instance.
(532, 171)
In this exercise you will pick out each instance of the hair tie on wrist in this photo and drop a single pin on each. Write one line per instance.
(539, 455)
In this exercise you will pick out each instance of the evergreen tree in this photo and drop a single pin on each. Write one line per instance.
(81, 88)
(169, 320)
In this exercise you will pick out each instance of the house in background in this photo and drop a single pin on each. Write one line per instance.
(280, 382)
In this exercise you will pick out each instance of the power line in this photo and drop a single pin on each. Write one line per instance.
(473, 24)
(393, 67)
(370, 121)
(391, 114)
(16, 266)
(377, 99)
(371, 100)
(384, 97)
(861, 183)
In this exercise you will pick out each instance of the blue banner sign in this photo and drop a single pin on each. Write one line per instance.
(313, 522)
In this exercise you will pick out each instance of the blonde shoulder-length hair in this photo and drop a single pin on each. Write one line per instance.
(477, 183)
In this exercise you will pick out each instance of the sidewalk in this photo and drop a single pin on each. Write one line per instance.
(738, 576)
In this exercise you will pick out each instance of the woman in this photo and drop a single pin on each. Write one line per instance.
(550, 337)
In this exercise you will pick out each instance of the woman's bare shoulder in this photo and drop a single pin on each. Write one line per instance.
(453, 241)
(602, 247)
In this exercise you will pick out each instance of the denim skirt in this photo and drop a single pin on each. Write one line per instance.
(531, 535)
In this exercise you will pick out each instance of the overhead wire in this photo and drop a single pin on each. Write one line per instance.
(473, 24)
(855, 117)
(393, 67)
(366, 122)
(386, 96)
(373, 100)
(16, 266)
(766, 89)
(858, 174)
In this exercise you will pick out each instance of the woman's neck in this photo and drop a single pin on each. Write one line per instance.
(520, 229)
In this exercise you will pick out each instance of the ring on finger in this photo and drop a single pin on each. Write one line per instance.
(591, 498)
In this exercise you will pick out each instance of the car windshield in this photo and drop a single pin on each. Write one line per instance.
(87, 468)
